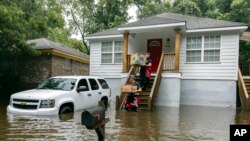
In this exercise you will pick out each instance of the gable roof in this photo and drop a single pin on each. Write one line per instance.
(46, 44)
(191, 23)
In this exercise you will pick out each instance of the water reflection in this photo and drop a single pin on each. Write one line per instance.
(187, 123)
(242, 117)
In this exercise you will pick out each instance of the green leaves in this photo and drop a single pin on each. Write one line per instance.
(187, 7)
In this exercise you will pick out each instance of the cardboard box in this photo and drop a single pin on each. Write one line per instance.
(138, 59)
(128, 88)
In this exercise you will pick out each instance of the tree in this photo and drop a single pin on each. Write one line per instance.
(240, 10)
(244, 51)
(22, 20)
(148, 8)
(62, 36)
(186, 7)
(12, 41)
(111, 13)
(89, 16)
(40, 16)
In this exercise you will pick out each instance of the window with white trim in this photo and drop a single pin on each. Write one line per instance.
(111, 52)
(203, 49)
(212, 49)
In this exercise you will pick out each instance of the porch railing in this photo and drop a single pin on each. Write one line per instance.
(169, 62)
(244, 97)
(121, 99)
(156, 85)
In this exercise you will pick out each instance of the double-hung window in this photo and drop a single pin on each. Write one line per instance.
(203, 49)
(212, 49)
(194, 49)
(111, 52)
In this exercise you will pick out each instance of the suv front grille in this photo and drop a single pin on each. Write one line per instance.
(25, 100)
(25, 106)
(25, 103)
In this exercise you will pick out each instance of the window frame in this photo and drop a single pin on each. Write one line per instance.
(203, 50)
(113, 52)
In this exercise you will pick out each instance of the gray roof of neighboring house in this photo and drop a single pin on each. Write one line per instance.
(43, 43)
(192, 22)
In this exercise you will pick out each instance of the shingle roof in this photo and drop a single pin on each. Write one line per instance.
(199, 22)
(167, 18)
(112, 31)
(43, 43)
(154, 20)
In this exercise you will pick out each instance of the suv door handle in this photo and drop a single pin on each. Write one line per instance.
(99, 92)
(89, 94)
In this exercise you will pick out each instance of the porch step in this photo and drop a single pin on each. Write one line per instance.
(247, 84)
(145, 94)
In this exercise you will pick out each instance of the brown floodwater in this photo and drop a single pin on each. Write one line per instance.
(187, 123)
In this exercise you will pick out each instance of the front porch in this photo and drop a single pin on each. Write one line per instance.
(170, 48)
(168, 62)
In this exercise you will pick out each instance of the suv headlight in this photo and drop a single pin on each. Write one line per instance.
(47, 103)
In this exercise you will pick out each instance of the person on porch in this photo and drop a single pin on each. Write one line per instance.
(145, 72)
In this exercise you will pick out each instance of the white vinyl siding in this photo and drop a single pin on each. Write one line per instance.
(203, 49)
(226, 52)
(97, 68)
(111, 52)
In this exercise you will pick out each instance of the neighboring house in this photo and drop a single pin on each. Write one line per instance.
(245, 36)
(55, 59)
(200, 63)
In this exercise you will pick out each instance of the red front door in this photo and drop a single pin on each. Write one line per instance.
(155, 49)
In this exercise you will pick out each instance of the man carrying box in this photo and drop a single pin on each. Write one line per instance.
(132, 101)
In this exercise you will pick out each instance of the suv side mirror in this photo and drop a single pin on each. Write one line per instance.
(82, 88)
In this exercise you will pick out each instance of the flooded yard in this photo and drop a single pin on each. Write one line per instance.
(187, 123)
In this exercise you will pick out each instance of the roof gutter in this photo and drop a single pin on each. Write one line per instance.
(243, 28)
(151, 26)
(103, 37)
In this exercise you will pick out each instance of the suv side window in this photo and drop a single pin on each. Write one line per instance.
(103, 83)
(83, 82)
(93, 84)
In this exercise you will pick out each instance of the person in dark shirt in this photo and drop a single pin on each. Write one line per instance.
(145, 72)
(148, 68)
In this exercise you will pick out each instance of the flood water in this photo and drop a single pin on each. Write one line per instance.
(187, 123)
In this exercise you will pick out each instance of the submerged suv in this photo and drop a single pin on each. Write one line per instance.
(61, 94)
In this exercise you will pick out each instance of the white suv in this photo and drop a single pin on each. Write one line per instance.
(61, 94)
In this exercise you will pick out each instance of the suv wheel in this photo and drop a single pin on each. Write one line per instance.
(65, 110)
(105, 101)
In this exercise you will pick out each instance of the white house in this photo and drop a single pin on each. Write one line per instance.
(200, 60)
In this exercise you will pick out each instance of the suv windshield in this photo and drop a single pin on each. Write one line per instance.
(66, 84)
